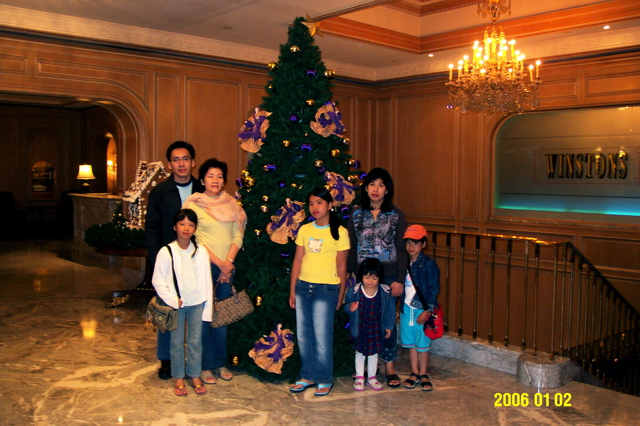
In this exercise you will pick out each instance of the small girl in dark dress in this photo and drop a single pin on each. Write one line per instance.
(372, 313)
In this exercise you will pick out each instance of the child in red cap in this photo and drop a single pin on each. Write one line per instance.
(421, 287)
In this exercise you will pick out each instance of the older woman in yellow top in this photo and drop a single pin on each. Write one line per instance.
(221, 224)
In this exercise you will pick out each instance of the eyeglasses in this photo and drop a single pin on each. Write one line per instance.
(178, 159)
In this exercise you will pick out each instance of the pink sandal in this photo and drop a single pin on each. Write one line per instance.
(359, 383)
(374, 384)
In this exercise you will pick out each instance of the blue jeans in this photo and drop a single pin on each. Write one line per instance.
(214, 340)
(163, 346)
(315, 309)
(191, 316)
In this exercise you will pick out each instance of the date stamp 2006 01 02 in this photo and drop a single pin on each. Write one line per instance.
(537, 400)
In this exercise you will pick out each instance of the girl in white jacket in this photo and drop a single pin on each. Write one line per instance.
(187, 264)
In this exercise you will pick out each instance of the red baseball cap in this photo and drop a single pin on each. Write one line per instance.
(415, 232)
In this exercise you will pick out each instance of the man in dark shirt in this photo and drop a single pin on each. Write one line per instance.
(164, 202)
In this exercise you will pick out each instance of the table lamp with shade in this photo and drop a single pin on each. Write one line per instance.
(85, 173)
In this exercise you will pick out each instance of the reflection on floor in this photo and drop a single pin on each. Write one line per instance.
(66, 359)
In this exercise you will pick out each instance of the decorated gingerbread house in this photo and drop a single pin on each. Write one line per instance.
(136, 198)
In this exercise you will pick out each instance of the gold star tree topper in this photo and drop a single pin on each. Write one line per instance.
(314, 27)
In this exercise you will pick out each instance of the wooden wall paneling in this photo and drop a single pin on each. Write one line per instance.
(13, 64)
(383, 133)
(472, 153)
(356, 107)
(168, 118)
(361, 139)
(426, 166)
(73, 75)
(212, 111)
(613, 251)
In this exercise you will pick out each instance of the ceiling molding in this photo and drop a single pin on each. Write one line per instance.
(570, 19)
(428, 9)
(352, 30)
(43, 22)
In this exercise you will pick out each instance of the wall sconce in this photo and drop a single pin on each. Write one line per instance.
(85, 173)
(112, 168)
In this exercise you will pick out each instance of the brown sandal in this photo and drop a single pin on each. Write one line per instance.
(199, 387)
(180, 390)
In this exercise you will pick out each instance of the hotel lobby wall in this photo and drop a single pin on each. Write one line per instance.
(441, 160)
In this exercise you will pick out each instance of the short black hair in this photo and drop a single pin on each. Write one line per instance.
(371, 266)
(213, 163)
(181, 144)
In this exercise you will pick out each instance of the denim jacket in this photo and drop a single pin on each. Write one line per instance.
(388, 308)
(425, 274)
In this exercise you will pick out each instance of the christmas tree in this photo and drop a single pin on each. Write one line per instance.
(298, 143)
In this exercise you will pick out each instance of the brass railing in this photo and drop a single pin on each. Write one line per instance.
(542, 294)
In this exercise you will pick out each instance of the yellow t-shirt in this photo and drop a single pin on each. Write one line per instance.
(320, 252)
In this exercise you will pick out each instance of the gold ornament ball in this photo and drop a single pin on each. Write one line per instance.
(258, 300)
(310, 102)
(265, 198)
(272, 65)
(335, 153)
(328, 187)
(257, 232)
(249, 181)
(235, 360)
(286, 143)
(294, 49)
(318, 163)
(345, 141)
(294, 185)
(329, 73)
(270, 86)
(245, 173)
(351, 162)
(352, 178)
(264, 208)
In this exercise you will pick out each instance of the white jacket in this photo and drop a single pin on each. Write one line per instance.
(163, 277)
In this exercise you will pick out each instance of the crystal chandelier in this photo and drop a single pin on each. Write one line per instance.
(494, 79)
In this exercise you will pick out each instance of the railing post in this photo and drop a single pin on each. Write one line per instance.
(523, 345)
(553, 304)
(600, 345)
(508, 295)
(449, 294)
(578, 299)
(492, 281)
(586, 313)
(475, 321)
(570, 297)
(461, 291)
(535, 299)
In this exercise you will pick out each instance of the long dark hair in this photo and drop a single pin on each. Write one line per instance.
(192, 217)
(371, 266)
(374, 174)
(334, 220)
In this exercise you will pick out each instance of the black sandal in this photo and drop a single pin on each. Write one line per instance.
(426, 386)
(393, 377)
(410, 383)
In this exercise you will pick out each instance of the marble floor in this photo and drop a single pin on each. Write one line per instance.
(66, 359)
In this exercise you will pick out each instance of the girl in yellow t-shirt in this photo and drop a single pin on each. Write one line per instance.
(318, 279)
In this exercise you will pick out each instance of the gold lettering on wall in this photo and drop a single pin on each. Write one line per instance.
(572, 166)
